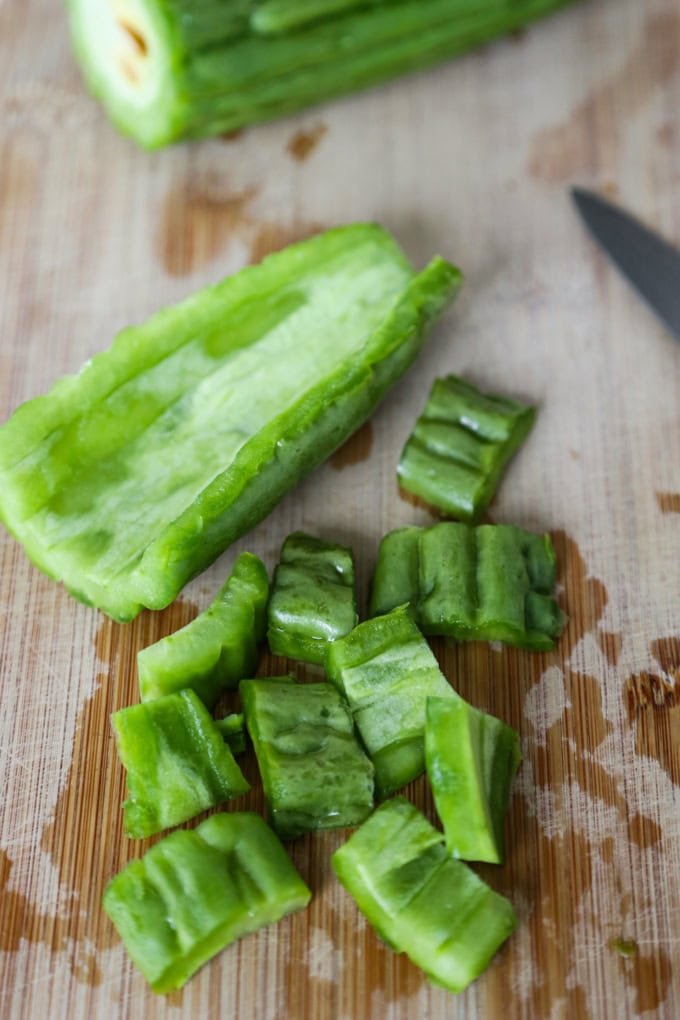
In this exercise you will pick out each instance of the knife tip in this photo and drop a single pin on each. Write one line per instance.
(580, 195)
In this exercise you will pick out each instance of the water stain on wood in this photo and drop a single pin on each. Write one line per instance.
(417, 502)
(302, 144)
(355, 450)
(566, 755)
(649, 978)
(591, 136)
(650, 690)
(529, 875)
(583, 719)
(202, 216)
(653, 705)
(644, 831)
(362, 970)
(312, 986)
(20, 918)
(497, 681)
(668, 502)
(89, 801)
(562, 757)
(199, 220)
(666, 651)
(610, 643)
(270, 237)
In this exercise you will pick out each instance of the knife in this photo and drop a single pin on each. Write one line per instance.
(649, 263)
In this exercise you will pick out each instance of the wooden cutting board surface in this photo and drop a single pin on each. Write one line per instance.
(472, 160)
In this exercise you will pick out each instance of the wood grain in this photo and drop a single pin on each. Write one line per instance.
(472, 160)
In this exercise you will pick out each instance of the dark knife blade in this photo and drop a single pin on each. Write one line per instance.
(649, 263)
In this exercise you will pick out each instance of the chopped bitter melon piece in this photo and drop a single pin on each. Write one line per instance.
(492, 582)
(191, 68)
(460, 445)
(131, 477)
(313, 600)
(471, 758)
(177, 762)
(386, 671)
(219, 647)
(314, 773)
(420, 900)
(199, 890)
(233, 730)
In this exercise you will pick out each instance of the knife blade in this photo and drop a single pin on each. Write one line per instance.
(645, 259)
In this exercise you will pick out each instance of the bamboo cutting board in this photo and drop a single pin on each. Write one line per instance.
(472, 160)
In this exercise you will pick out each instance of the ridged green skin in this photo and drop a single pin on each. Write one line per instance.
(313, 598)
(314, 773)
(177, 763)
(219, 647)
(386, 671)
(460, 445)
(213, 66)
(471, 758)
(492, 582)
(420, 900)
(199, 890)
(131, 477)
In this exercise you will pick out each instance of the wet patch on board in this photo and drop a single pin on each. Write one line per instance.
(643, 831)
(22, 921)
(668, 502)
(232, 136)
(199, 220)
(304, 142)
(590, 138)
(418, 502)
(610, 644)
(355, 450)
(649, 978)
(652, 703)
(562, 767)
(269, 237)
(87, 805)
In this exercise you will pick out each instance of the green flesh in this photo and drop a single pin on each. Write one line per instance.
(197, 891)
(460, 445)
(219, 647)
(386, 671)
(176, 760)
(170, 69)
(131, 477)
(471, 759)
(493, 582)
(314, 773)
(233, 730)
(421, 901)
(313, 601)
